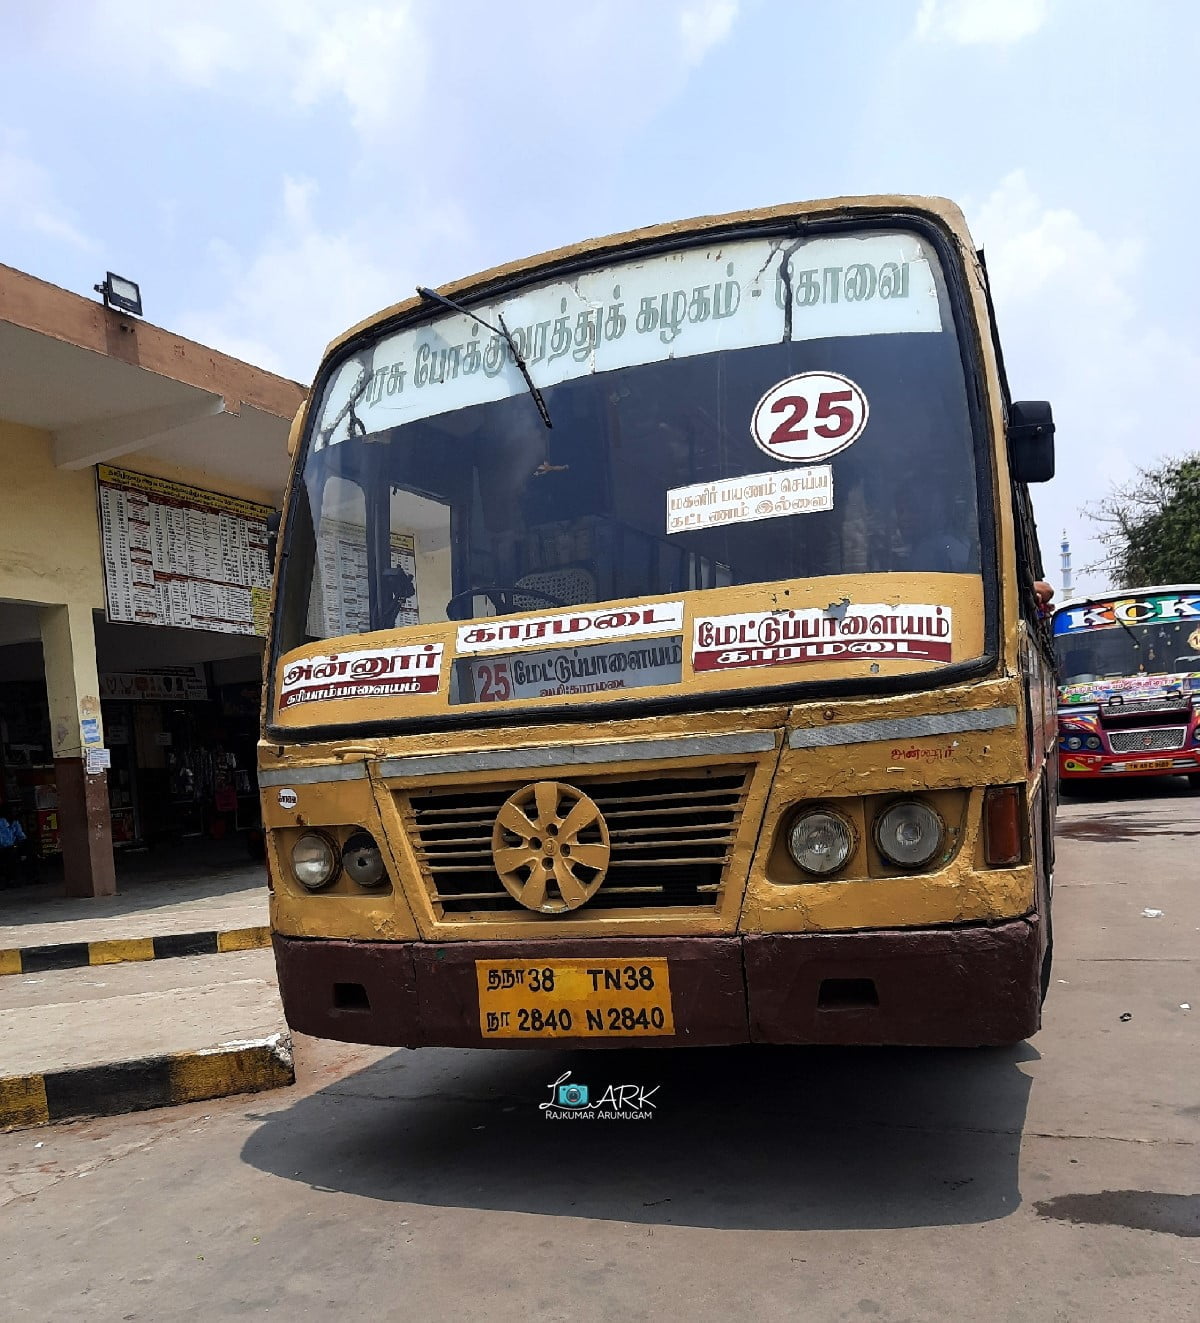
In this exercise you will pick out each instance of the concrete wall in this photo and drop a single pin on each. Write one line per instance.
(209, 482)
(49, 529)
(49, 525)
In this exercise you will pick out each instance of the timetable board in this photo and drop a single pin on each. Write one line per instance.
(340, 600)
(180, 556)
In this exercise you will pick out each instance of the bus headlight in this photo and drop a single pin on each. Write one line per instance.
(1093, 742)
(1073, 742)
(820, 842)
(363, 860)
(909, 834)
(314, 861)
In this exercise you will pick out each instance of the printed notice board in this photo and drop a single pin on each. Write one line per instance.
(340, 600)
(181, 556)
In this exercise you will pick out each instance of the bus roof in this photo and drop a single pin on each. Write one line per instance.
(939, 209)
(1114, 593)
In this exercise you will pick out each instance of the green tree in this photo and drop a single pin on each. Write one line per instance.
(1152, 526)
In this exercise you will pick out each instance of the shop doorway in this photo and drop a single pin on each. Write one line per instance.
(180, 713)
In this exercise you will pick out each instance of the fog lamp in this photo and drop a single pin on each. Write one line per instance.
(363, 860)
(820, 842)
(909, 834)
(314, 861)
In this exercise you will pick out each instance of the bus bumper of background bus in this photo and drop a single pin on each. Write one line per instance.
(960, 987)
(1105, 766)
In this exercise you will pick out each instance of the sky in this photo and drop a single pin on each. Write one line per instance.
(272, 171)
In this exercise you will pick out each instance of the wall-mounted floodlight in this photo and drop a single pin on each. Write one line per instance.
(121, 294)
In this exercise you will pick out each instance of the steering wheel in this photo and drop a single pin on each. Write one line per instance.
(459, 606)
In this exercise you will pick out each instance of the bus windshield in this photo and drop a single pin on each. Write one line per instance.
(753, 412)
(1155, 634)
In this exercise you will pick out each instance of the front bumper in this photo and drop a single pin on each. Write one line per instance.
(960, 987)
(1077, 766)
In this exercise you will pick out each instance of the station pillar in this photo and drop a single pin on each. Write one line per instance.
(73, 694)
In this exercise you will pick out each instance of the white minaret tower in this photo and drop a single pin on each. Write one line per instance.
(1066, 566)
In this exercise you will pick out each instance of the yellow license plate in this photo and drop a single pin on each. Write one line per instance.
(545, 999)
(1148, 765)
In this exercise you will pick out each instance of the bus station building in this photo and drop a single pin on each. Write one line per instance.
(138, 471)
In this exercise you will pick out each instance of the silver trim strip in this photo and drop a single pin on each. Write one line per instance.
(573, 755)
(902, 728)
(311, 776)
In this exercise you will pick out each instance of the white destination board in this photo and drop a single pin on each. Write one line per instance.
(697, 300)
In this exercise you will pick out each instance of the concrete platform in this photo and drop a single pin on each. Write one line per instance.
(103, 1040)
(146, 907)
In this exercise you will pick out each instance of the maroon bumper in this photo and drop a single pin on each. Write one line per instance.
(961, 987)
(1096, 767)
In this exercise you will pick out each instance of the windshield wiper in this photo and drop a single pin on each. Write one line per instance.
(1128, 631)
(356, 427)
(503, 330)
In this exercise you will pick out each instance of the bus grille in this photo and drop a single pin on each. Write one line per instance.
(1157, 739)
(670, 837)
(1136, 707)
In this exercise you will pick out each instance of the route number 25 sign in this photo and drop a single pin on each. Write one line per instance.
(809, 417)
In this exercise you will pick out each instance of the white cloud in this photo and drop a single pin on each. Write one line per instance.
(200, 52)
(1035, 246)
(308, 284)
(705, 25)
(980, 22)
(375, 59)
(525, 96)
(1074, 329)
(371, 57)
(28, 200)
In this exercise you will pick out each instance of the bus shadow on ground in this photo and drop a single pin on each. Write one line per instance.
(741, 1138)
(1134, 790)
(1110, 821)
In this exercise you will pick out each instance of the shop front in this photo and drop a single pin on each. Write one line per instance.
(180, 745)
(181, 748)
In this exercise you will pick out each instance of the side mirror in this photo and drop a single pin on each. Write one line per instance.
(297, 427)
(1031, 441)
(273, 521)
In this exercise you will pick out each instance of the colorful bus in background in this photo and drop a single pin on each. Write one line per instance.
(1129, 684)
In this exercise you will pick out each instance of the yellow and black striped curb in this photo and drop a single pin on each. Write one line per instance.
(75, 955)
(134, 1086)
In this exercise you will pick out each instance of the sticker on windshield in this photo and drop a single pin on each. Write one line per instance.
(750, 497)
(583, 625)
(907, 632)
(810, 416)
(570, 671)
(366, 673)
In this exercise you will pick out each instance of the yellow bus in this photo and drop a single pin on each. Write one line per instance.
(655, 655)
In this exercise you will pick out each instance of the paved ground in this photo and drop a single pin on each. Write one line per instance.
(1054, 1181)
(213, 888)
